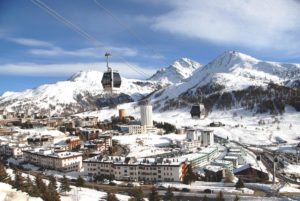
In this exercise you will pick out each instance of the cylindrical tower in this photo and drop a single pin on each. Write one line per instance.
(146, 116)
(122, 114)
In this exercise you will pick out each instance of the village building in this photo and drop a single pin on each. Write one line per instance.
(250, 173)
(132, 169)
(40, 140)
(88, 133)
(61, 161)
(214, 173)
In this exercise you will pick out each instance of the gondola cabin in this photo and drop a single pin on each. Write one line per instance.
(197, 111)
(111, 79)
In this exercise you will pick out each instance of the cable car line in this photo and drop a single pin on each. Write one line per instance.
(67, 22)
(81, 32)
(131, 31)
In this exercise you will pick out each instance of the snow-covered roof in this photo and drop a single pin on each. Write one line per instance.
(51, 153)
(118, 160)
(246, 166)
(213, 168)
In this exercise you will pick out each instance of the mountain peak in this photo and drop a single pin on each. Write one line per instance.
(235, 57)
(180, 70)
(85, 75)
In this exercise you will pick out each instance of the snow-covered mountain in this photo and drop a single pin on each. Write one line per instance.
(177, 72)
(82, 91)
(230, 72)
(233, 79)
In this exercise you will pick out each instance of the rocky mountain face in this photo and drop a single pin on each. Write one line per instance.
(234, 79)
(231, 80)
(178, 72)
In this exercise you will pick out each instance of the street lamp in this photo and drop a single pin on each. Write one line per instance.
(297, 152)
(275, 161)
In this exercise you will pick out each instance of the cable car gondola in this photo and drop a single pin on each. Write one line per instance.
(197, 110)
(111, 79)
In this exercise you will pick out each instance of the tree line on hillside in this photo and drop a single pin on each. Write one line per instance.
(37, 187)
(272, 99)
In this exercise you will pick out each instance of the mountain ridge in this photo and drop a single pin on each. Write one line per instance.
(231, 74)
(177, 72)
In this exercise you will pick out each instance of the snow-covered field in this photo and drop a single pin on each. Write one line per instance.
(240, 124)
(7, 193)
(148, 144)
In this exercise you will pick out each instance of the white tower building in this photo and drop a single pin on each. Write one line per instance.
(146, 116)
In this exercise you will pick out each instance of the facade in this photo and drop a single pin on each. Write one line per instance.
(12, 150)
(240, 158)
(101, 144)
(40, 140)
(214, 173)
(132, 169)
(196, 138)
(207, 137)
(132, 129)
(251, 173)
(146, 116)
(62, 161)
(73, 142)
(233, 159)
(202, 157)
(225, 164)
(89, 133)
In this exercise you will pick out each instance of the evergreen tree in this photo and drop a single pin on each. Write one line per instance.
(112, 197)
(52, 182)
(236, 198)
(64, 184)
(137, 193)
(80, 182)
(3, 175)
(240, 183)
(153, 196)
(28, 186)
(18, 183)
(51, 194)
(220, 196)
(169, 196)
(40, 186)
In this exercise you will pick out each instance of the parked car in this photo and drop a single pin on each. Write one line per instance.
(207, 191)
(112, 183)
(129, 185)
(160, 187)
(185, 190)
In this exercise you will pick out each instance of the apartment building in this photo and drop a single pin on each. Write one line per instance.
(132, 169)
(12, 150)
(196, 138)
(62, 161)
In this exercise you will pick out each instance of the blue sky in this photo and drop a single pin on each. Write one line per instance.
(36, 48)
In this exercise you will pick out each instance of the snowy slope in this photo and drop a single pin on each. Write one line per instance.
(237, 71)
(231, 71)
(177, 72)
(83, 84)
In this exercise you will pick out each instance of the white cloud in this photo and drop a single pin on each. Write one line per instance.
(55, 70)
(250, 23)
(47, 49)
(84, 52)
(31, 42)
